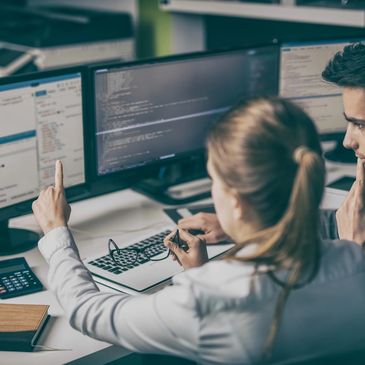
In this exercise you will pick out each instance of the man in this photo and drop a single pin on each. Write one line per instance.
(346, 70)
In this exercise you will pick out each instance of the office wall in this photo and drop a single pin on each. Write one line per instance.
(153, 27)
(154, 30)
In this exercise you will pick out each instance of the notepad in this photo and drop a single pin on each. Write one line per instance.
(21, 325)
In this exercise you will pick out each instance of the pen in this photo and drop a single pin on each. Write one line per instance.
(176, 238)
(181, 244)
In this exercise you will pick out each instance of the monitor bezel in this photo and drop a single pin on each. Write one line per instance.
(75, 192)
(137, 173)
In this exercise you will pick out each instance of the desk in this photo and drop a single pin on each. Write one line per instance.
(92, 221)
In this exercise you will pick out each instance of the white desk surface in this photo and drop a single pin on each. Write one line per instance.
(92, 221)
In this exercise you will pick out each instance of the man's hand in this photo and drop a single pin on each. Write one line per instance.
(208, 223)
(51, 209)
(350, 216)
(196, 254)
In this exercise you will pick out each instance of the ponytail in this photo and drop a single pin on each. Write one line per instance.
(300, 232)
(294, 242)
(268, 151)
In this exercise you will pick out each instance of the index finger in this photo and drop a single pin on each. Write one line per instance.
(360, 172)
(58, 178)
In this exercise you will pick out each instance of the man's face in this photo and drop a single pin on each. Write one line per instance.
(354, 111)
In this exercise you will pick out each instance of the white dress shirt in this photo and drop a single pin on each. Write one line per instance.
(221, 312)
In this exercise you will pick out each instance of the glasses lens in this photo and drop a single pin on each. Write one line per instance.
(124, 257)
(156, 252)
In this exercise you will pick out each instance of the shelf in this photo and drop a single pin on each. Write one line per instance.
(304, 14)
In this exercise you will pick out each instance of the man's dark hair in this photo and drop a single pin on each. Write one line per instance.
(347, 67)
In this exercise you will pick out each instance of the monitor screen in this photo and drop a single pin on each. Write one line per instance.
(301, 66)
(149, 112)
(42, 121)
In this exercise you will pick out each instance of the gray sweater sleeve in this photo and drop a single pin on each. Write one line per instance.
(328, 224)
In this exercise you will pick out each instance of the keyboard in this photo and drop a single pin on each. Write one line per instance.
(127, 256)
(152, 269)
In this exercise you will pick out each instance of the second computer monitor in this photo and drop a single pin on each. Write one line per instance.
(301, 66)
(42, 121)
(148, 112)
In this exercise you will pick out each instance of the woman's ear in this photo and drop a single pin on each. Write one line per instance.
(241, 208)
(237, 205)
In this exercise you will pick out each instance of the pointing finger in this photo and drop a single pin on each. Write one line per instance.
(360, 172)
(59, 175)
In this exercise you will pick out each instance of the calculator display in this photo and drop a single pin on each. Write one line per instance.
(12, 268)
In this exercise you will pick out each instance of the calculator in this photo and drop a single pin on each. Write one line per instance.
(17, 278)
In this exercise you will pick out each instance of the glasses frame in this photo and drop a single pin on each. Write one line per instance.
(138, 251)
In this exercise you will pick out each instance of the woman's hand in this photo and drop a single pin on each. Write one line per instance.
(208, 224)
(51, 209)
(196, 253)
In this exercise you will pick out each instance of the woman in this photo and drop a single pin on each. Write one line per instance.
(281, 294)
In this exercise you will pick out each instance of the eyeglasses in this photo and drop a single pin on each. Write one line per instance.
(140, 253)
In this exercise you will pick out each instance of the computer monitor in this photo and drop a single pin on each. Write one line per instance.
(154, 111)
(301, 66)
(42, 120)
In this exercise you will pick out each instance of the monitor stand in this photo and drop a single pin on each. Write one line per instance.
(180, 182)
(15, 240)
(340, 154)
(175, 194)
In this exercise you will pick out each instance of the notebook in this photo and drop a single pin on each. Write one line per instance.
(21, 325)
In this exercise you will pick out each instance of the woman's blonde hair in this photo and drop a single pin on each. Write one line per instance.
(267, 150)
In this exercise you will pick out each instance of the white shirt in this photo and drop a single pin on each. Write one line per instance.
(219, 313)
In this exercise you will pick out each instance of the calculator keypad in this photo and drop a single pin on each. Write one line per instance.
(18, 283)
